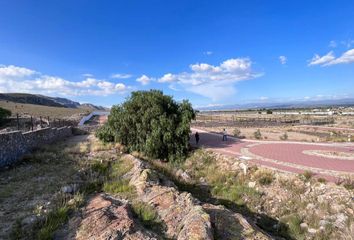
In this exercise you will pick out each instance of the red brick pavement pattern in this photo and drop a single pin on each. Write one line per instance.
(282, 152)
(292, 153)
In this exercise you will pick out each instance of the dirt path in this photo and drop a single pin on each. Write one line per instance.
(283, 155)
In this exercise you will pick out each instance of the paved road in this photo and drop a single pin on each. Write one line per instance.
(284, 156)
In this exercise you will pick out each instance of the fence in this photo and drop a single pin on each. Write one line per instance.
(271, 120)
(29, 123)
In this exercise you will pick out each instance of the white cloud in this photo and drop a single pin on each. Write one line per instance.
(121, 75)
(283, 59)
(209, 105)
(332, 44)
(19, 79)
(264, 98)
(13, 71)
(318, 60)
(208, 53)
(330, 59)
(169, 77)
(87, 75)
(144, 80)
(348, 43)
(347, 57)
(214, 82)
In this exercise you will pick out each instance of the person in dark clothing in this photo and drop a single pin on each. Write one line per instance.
(224, 135)
(196, 137)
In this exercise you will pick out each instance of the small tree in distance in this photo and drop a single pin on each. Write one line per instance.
(257, 134)
(236, 132)
(284, 137)
(4, 113)
(152, 123)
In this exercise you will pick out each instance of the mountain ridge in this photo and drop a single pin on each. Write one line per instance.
(43, 100)
(345, 102)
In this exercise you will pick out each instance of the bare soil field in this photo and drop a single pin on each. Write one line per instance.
(280, 127)
(268, 133)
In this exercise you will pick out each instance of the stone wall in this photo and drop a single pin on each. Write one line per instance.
(14, 145)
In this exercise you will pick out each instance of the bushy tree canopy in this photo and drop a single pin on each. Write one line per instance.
(4, 113)
(152, 123)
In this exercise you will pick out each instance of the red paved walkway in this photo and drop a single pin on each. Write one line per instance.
(293, 153)
(285, 156)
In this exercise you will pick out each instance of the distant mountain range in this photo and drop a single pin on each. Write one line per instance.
(36, 99)
(346, 102)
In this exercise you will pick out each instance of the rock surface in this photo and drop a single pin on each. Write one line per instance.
(107, 218)
(181, 213)
(231, 226)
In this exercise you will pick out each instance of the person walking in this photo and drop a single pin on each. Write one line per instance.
(196, 137)
(224, 135)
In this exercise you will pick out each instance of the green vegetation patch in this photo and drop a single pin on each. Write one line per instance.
(118, 186)
(53, 221)
(146, 214)
(152, 123)
(264, 177)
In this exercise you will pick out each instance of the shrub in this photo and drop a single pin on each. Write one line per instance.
(236, 132)
(152, 123)
(257, 134)
(269, 111)
(264, 177)
(235, 192)
(322, 180)
(105, 133)
(100, 167)
(4, 113)
(348, 183)
(307, 175)
(284, 137)
(145, 213)
(293, 222)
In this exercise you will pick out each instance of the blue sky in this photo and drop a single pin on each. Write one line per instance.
(210, 52)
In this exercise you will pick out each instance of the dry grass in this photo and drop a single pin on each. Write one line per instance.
(264, 176)
(38, 110)
(35, 186)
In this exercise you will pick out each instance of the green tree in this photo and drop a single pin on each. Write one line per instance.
(152, 123)
(4, 113)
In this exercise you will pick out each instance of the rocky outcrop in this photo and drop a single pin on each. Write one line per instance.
(231, 226)
(108, 218)
(182, 215)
